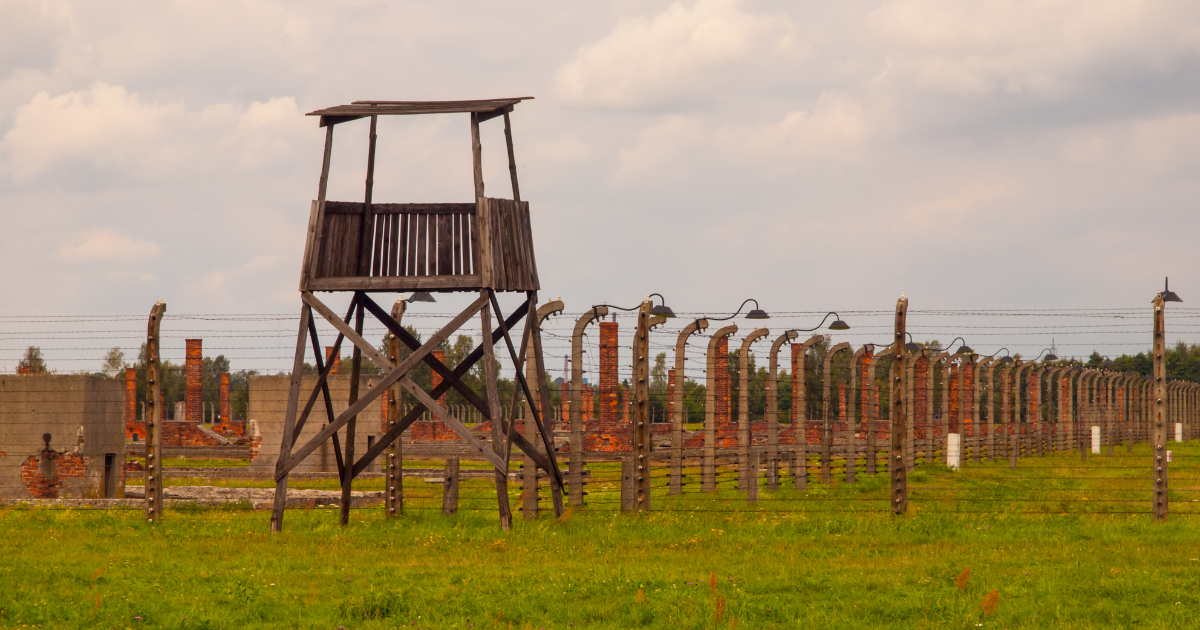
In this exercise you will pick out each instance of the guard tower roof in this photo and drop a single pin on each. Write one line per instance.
(362, 109)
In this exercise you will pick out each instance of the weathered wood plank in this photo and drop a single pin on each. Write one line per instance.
(397, 283)
(356, 207)
(444, 248)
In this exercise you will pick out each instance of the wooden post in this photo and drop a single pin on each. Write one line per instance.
(575, 465)
(153, 416)
(393, 502)
(910, 398)
(899, 402)
(348, 469)
(800, 410)
(772, 410)
(827, 413)
(450, 487)
(744, 406)
(493, 400)
(628, 500)
(752, 476)
(708, 470)
(1159, 441)
(679, 413)
(640, 391)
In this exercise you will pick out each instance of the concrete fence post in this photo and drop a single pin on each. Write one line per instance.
(154, 417)
(772, 409)
(1160, 462)
(873, 410)
(897, 472)
(851, 419)
(800, 410)
(827, 413)
(708, 471)
(576, 411)
(744, 432)
(979, 368)
(393, 501)
(679, 412)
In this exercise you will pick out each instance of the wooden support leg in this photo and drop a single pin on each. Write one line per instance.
(493, 400)
(289, 421)
(348, 467)
(450, 487)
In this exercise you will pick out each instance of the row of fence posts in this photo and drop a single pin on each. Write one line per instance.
(1150, 405)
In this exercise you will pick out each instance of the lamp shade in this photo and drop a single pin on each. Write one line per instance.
(757, 313)
(662, 310)
(839, 325)
(421, 296)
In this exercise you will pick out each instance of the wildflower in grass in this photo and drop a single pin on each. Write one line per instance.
(962, 579)
(990, 601)
(640, 597)
(719, 610)
(712, 583)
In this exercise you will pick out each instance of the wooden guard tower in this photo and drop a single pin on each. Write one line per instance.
(484, 246)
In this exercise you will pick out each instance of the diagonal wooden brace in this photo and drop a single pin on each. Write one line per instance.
(537, 416)
(382, 361)
(282, 468)
(437, 366)
(441, 388)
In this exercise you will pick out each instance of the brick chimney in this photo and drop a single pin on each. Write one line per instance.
(193, 384)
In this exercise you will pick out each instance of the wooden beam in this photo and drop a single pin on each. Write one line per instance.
(486, 116)
(296, 457)
(464, 282)
(437, 366)
(289, 420)
(415, 413)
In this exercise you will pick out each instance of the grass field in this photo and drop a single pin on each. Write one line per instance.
(793, 560)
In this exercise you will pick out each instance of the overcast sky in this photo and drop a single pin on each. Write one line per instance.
(814, 155)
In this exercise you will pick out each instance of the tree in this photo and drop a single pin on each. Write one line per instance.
(658, 388)
(33, 362)
(114, 363)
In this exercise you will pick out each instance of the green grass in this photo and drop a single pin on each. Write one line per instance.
(792, 560)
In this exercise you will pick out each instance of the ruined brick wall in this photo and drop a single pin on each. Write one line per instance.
(43, 474)
(132, 426)
(336, 359)
(920, 396)
(193, 382)
(588, 401)
(726, 429)
(223, 397)
(440, 355)
(85, 417)
(608, 373)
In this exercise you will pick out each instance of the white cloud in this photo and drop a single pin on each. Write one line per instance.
(31, 33)
(685, 52)
(105, 245)
(835, 128)
(109, 131)
(1042, 47)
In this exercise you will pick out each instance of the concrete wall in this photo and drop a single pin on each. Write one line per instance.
(268, 406)
(31, 406)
